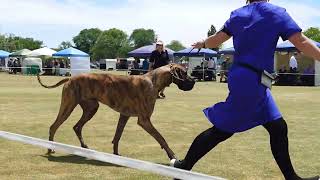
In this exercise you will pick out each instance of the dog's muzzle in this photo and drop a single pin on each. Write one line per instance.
(185, 85)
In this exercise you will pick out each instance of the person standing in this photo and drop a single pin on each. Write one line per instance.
(211, 69)
(293, 63)
(145, 66)
(159, 57)
(224, 70)
(255, 29)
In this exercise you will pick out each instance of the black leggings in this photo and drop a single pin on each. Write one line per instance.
(278, 131)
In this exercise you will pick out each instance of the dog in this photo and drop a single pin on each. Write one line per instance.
(131, 96)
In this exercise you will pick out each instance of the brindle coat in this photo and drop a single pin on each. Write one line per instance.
(129, 95)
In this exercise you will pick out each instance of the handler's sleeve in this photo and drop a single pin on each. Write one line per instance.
(227, 27)
(288, 26)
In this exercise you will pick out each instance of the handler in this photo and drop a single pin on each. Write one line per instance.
(159, 58)
(255, 29)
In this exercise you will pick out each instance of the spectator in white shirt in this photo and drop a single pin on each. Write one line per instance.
(211, 64)
(293, 63)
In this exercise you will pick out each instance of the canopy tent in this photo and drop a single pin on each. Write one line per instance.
(70, 52)
(227, 51)
(4, 54)
(42, 52)
(145, 51)
(189, 52)
(80, 61)
(22, 52)
(282, 58)
(287, 46)
(4, 58)
(32, 65)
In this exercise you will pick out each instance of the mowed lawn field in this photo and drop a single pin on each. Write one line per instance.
(27, 108)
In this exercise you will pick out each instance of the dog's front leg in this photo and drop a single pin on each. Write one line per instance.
(146, 124)
(121, 124)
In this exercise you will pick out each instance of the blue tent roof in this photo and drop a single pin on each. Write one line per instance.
(287, 46)
(195, 53)
(228, 51)
(71, 52)
(145, 51)
(4, 54)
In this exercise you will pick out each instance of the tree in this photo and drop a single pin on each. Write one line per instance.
(175, 45)
(86, 39)
(212, 30)
(142, 37)
(313, 33)
(112, 43)
(13, 43)
(65, 45)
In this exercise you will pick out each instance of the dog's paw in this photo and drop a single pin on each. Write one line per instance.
(50, 151)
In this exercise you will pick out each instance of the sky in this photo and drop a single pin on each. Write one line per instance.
(188, 21)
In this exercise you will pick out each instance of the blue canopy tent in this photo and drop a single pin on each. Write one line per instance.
(4, 54)
(287, 46)
(190, 52)
(70, 52)
(227, 51)
(145, 51)
(79, 61)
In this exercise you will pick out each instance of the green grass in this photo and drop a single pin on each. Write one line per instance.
(29, 109)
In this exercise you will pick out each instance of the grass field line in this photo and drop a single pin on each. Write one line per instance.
(110, 158)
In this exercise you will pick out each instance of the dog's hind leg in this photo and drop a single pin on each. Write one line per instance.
(121, 124)
(146, 124)
(89, 110)
(68, 103)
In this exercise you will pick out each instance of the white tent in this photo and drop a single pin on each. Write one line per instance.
(80, 61)
(42, 52)
(108, 64)
(31, 62)
(79, 65)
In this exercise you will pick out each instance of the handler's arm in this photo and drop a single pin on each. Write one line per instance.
(304, 44)
(213, 41)
(151, 61)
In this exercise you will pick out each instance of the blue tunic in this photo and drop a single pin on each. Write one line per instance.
(256, 29)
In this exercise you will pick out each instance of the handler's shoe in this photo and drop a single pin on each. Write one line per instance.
(176, 163)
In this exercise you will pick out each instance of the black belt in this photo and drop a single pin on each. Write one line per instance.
(249, 67)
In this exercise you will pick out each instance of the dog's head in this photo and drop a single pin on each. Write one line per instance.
(181, 78)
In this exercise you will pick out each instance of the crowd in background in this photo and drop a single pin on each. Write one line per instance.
(293, 77)
(55, 67)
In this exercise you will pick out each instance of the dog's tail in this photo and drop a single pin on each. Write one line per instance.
(54, 86)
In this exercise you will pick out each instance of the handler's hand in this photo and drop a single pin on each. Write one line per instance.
(198, 45)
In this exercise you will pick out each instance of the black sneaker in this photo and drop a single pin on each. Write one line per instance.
(176, 163)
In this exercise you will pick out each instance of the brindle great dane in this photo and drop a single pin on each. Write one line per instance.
(131, 96)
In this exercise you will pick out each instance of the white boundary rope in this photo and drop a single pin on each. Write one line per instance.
(109, 158)
(141, 70)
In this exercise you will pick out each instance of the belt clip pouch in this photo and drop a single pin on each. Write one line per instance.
(266, 79)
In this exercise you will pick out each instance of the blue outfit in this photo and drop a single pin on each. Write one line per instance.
(256, 29)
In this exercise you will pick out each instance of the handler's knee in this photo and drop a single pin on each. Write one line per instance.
(277, 128)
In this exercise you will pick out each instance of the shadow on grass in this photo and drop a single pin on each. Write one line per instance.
(73, 159)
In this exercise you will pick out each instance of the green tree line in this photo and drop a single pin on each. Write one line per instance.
(111, 43)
